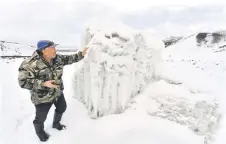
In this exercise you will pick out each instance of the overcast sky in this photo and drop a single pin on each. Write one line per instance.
(28, 21)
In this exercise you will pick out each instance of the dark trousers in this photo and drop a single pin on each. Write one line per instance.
(43, 109)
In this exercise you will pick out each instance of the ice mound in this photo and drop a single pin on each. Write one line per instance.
(120, 63)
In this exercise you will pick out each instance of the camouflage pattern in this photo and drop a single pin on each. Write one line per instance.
(34, 71)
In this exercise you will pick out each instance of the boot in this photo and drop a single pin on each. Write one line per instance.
(56, 121)
(39, 129)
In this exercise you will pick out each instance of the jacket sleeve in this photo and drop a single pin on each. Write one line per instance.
(70, 59)
(27, 78)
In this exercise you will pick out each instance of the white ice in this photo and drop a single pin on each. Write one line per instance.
(120, 63)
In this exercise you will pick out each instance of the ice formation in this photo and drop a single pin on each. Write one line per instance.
(120, 63)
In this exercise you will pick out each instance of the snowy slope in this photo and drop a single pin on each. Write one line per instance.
(15, 49)
(201, 70)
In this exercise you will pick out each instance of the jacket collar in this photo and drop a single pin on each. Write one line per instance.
(38, 55)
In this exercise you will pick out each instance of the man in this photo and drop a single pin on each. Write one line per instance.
(42, 75)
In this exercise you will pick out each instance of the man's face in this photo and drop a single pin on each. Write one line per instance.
(50, 52)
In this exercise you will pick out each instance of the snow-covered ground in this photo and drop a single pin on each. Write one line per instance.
(199, 72)
(131, 127)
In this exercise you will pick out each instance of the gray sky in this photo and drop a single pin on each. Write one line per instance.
(28, 21)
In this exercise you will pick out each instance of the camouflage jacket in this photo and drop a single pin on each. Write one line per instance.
(34, 71)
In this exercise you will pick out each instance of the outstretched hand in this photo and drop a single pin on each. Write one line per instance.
(84, 51)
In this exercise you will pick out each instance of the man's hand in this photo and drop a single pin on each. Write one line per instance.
(84, 51)
(49, 84)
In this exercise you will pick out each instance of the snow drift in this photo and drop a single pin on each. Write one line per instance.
(197, 111)
(120, 63)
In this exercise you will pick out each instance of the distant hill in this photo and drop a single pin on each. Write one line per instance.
(17, 50)
(215, 40)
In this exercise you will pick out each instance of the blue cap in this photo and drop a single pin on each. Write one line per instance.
(42, 44)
